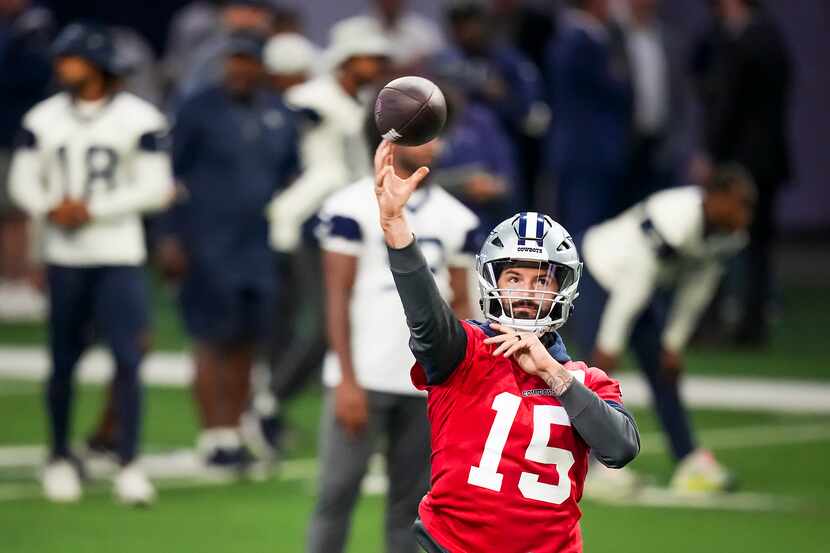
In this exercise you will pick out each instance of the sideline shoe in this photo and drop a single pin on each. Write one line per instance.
(61, 482)
(604, 482)
(700, 472)
(132, 487)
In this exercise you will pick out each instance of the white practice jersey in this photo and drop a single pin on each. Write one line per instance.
(379, 336)
(333, 153)
(659, 242)
(109, 154)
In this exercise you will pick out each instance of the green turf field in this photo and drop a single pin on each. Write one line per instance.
(787, 472)
(781, 460)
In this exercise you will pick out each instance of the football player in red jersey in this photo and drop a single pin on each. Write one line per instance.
(513, 418)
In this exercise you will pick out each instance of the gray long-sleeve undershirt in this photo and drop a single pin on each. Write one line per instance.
(439, 343)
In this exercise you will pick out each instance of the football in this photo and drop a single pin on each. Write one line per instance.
(410, 111)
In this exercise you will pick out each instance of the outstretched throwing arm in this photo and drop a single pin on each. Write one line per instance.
(437, 338)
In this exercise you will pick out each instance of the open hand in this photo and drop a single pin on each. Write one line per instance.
(392, 191)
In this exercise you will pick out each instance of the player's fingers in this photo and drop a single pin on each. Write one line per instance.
(501, 328)
(380, 154)
(418, 176)
(519, 342)
(515, 347)
(501, 349)
(380, 176)
(499, 338)
(507, 340)
(389, 158)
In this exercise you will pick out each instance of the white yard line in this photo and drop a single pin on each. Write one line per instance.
(743, 437)
(736, 501)
(741, 394)
(183, 469)
(182, 463)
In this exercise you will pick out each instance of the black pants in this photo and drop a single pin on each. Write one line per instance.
(755, 266)
(426, 541)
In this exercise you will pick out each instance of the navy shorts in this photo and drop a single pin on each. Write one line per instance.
(222, 310)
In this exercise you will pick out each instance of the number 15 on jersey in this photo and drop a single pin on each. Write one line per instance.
(486, 474)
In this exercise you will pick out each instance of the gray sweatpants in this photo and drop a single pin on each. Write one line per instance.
(401, 421)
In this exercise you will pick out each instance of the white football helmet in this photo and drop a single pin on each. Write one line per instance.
(529, 239)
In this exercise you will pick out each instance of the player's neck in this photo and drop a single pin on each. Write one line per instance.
(348, 84)
(93, 92)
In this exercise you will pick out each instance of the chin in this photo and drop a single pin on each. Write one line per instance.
(524, 315)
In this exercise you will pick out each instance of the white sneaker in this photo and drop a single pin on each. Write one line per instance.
(603, 482)
(61, 482)
(700, 472)
(376, 481)
(132, 487)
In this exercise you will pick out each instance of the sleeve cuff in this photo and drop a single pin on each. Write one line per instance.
(407, 259)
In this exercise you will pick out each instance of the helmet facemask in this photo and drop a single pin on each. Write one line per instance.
(528, 296)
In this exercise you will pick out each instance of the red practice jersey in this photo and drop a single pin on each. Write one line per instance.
(507, 466)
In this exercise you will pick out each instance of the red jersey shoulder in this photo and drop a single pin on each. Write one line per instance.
(596, 380)
(475, 341)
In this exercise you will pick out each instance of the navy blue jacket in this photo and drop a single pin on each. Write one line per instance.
(592, 104)
(476, 141)
(231, 157)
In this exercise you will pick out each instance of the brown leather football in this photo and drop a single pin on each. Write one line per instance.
(410, 111)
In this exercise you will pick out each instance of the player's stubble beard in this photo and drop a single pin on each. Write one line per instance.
(527, 309)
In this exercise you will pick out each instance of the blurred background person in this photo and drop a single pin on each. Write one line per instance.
(527, 25)
(369, 395)
(333, 153)
(142, 76)
(139, 75)
(496, 75)
(649, 273)
(589, 139)
(202, 64)
(476, 162)
(234, 145)
(100, 155)
(26, 32)
(411, 37)
(744, 77)
(290, 60)
(190, 27)
(660, 132)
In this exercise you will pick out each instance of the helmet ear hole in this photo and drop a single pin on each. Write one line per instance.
(491, 305)
(556, 312)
